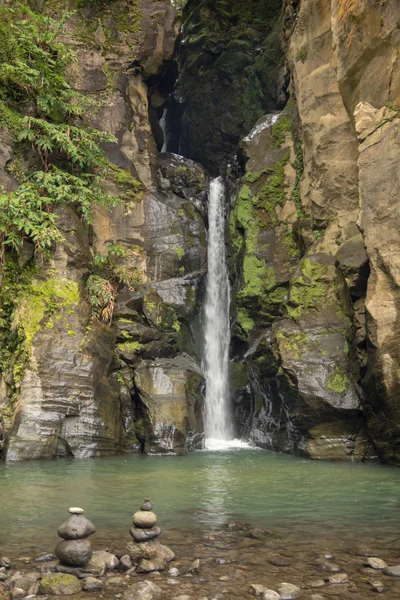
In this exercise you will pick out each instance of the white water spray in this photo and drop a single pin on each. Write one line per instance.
(217, 424)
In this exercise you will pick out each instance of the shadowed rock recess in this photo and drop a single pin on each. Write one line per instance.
(297, 103)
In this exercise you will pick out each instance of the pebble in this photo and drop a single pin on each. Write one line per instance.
(182, 597)
(256, 589)
(328, 566)
(271, 595)
(375, 563)
(45, 558)
(393, 571)
(338, 578)
(196, 566)
(173, 572)
(147, 505)
(17, 594)
(377, 585)
(5, 562)
(223, 561)
(125, 562)
(315, 583)
(200, 581)
(115, 582)
(3, 576)
(172, 582)
(288, 591)
(224, 578)
(74, 510)
(91, 584)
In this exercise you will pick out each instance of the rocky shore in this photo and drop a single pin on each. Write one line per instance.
(238, 561)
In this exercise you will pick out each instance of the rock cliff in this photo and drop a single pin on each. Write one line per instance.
(297, 103)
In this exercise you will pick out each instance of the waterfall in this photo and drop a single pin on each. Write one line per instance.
(217, 426)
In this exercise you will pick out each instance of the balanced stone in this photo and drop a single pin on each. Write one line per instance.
(77, 527)
(147, 505)
(146, 553)
(75, 550)
(75, 553)
(144, 535)
(74, 510)
(145, 519)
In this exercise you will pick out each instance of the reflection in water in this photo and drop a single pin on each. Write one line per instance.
(204, 489)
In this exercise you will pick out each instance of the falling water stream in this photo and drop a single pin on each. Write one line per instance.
(218, 427)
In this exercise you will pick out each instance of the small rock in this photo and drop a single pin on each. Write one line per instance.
(45, 558)
(375, 563)
(257, 590)
(288, 591)
(328, 556)
(338, 578)
(101, 562)
(224, 561)
(115, 582)
(257, 533)
(172, 582)
(147, 505)
(200, 581)
(271, 595)
(91, 584)
(315, 583)
(196, 566)
(224, 578)
(18, 594)
(393, 571)
(144, 590)
(125, 562)
(3, 576)
(74, 510)
(327, 566)
(377, 585)
(5, 562)
(60, 584)
(145, 519)
(173, 572)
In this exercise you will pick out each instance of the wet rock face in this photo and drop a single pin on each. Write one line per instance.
(230, 74)
(78, 385)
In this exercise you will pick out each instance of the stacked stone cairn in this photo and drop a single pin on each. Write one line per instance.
(145, 551)
(75, 550)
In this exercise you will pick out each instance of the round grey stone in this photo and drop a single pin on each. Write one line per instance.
(393, 571)
(77, 527)
(144, 535)
(145, 519)
(147, 505)
(74, 553)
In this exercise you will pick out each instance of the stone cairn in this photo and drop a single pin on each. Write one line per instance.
(145, 551)
(75, 550)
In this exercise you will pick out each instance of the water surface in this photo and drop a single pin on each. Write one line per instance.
(203, 490)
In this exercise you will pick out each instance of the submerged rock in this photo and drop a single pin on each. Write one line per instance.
(145, 590)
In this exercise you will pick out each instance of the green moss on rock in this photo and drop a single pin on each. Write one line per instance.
(309, 289)
(244, 320)
(338, 380)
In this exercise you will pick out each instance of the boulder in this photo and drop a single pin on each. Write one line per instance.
(60, 584)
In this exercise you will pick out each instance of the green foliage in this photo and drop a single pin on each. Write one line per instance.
(102, 287)
(33, 67)
(302, 54)
(101, 294)
(273, 192)
(244, 320)
(282, 126)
